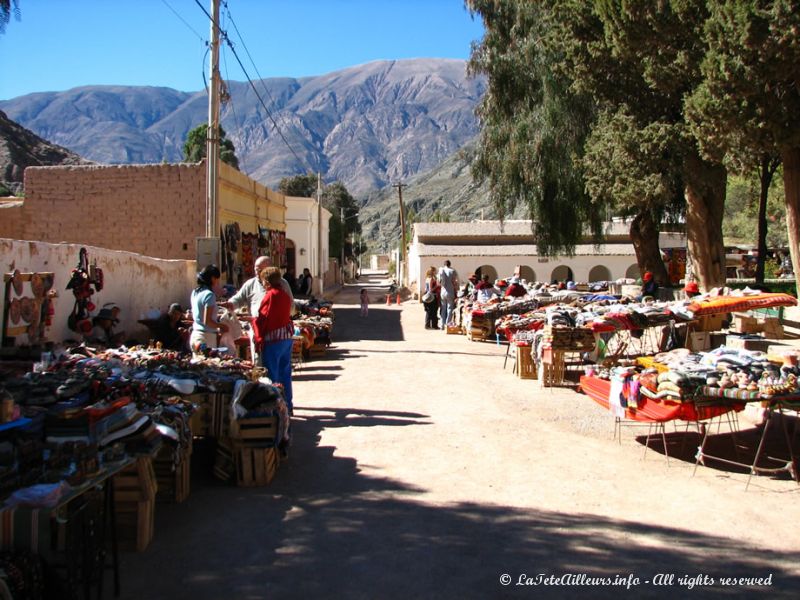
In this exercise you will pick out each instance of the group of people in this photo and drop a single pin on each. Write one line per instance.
(441, 288)
(270, 300)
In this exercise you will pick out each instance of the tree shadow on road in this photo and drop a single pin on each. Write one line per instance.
(382, 324)
(325, 529)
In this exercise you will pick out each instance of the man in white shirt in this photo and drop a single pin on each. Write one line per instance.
(448, 279)
(252, 291)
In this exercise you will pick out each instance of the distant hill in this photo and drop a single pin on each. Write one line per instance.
(21, 148)
(446, 192)
(365, 126)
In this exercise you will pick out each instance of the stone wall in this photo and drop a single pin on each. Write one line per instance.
(155, 210)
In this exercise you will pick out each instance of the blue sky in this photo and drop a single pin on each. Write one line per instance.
(60, 44)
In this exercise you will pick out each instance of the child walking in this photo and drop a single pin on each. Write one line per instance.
(364, 303)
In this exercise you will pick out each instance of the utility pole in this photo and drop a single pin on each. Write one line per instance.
(321, 272)
(341, 216)
(212, 135)
(404, 259)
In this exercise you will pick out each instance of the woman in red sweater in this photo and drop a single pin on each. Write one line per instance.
(273, 330)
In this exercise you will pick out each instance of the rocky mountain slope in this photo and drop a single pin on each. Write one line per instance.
(21, 148)
(366, 126)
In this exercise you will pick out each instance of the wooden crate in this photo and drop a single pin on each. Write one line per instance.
(454, 330)
(135, 524)
(137, 482)
(255, 432)
(255, 466)
(317, 351)
(224, 464)
(571, 338)
(173, 477)
(134, 504)
(526, 367)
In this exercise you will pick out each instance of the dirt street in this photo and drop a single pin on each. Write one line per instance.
(420, 468)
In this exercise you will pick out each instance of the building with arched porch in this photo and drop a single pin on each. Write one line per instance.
(307, 226)
(502, 250)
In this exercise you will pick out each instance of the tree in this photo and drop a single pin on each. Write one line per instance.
(301, 186)
(7, 7)
(194, 148)
(751, 72)
(335, 198)
(533, 126)
(641, 60)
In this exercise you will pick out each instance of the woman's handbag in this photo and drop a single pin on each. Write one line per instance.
(428, 297)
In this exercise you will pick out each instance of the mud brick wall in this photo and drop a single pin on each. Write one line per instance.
(11, 218)
(155, 210)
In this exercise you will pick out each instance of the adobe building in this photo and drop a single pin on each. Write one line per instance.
(498, 249)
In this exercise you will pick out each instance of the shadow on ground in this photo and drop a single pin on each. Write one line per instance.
(324, 529)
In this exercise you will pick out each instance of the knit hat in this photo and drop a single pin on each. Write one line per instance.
(692, 288)
(647, 276)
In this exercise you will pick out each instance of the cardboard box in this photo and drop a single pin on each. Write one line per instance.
(747, 343)
(699, 341)
(745, 324)
(772, 328)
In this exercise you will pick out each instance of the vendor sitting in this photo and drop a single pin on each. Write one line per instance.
(649, 286)
(484, 289)
(515, 289)
(691, 289)
(168, 331)
(103, 333)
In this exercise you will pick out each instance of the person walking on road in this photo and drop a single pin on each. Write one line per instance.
(448, 280)
(364, 297)
(431, 300)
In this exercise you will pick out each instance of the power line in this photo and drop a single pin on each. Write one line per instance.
(252, 62)
(175, 12)
(224, 36)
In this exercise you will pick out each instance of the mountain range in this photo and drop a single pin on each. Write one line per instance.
(21, 148)
(366, 126)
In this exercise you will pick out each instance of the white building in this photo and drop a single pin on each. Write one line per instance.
(307, 239)
(497, 250)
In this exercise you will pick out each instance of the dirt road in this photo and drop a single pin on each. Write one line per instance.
(420, 468)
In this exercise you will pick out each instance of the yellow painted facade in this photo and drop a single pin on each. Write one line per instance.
(245, 201)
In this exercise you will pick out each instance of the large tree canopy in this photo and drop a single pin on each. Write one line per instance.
(750, 96)
(532, 126)
(194, 148)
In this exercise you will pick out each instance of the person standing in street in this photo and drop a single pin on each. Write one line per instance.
(206, 324)
(431, 299)
(364, 297)
(448, 280)
(273, 330)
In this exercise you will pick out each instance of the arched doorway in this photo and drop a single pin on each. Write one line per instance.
(599, 273)
(562, 273)
(526, 273)
(633, 272)
(291, 259)
(486, 270)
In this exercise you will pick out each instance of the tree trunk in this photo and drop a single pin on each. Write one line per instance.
(705, 205)
(791, 186)
(644, 236)
(765, 178)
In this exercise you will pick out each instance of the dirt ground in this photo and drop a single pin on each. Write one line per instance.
(420, 467)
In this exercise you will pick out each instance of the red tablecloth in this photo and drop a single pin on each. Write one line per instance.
(650, 411)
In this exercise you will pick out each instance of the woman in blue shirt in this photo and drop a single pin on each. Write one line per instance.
(204, 310)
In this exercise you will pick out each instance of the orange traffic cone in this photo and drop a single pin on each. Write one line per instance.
(388, 299)
(398, 299)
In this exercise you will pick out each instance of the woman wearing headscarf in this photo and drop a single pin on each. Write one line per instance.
(204, 310)
(273, 331)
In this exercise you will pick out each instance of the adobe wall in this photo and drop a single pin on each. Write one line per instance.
(134, 282)
(155, 210)
(11, 217)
